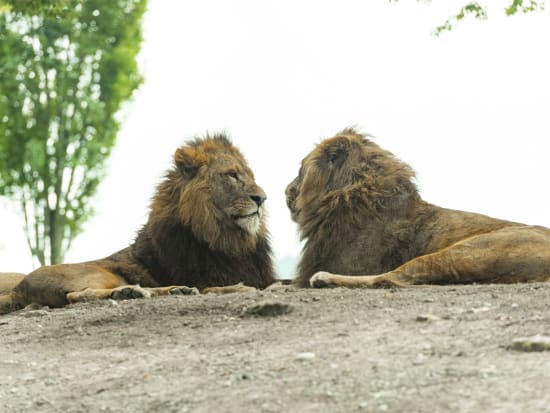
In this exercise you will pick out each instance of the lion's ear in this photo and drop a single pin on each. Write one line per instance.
(335, 151)
(337, 155)
(188, 161)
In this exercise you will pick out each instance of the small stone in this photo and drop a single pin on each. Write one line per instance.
(41, 402)
(420, 359)
(481, 309)
(427, 317)
(534, 343)
(268, 309)
(306, 356)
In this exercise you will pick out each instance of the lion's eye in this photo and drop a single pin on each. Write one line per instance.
(233, 175)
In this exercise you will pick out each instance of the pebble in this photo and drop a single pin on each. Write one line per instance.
(427, 317)
(268, 309)
(306, 356)
(534, 343)
(482, 309)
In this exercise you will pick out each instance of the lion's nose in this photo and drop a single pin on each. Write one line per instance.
(259, 199)
(290, 190)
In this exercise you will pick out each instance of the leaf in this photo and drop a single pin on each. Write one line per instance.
(66, 67)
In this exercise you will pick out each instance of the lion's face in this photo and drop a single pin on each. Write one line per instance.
(212, 189)
(343, 173)
(292, 192)
(235, 193)
(328, 168)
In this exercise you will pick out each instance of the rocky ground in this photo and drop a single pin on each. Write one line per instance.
(426, 349)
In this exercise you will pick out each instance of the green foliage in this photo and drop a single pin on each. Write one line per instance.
(479, 11)
(475, 9)
(523, 6)
(31, 7)
(62, 80)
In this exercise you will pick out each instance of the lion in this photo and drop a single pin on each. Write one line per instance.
(365, 225)
(206, 231)
(8, 280)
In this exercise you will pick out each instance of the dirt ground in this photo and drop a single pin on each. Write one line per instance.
(426, 349)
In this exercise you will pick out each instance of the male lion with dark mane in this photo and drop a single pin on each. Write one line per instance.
(206, 230)
(361, 215)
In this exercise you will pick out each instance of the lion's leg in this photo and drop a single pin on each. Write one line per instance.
(515, 254)
(236, 288)
(280, 286)
(127, 292)
(277, 286)
(173, 290)
(508, 255)
(323, 279)
(442, 267)
(123, 292)
(58, 285)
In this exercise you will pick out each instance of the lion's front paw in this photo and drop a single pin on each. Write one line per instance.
(128, 292)
(183, 291)
(322, 279)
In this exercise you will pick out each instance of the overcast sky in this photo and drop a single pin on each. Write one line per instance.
(470, 110)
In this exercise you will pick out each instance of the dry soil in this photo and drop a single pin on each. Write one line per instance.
(425, 349)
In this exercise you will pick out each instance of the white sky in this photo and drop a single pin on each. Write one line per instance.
(470, 110)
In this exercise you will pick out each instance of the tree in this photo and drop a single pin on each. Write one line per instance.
(479, 11)
(31, 7)
(63, 78)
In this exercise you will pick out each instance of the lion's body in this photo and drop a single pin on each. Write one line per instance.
(205, 229)
(365, 225)
(8, 280)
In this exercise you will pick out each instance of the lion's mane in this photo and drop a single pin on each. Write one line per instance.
(186, 240)
(354, 196)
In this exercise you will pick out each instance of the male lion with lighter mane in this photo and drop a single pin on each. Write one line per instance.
(361, 215)
(206, 230)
